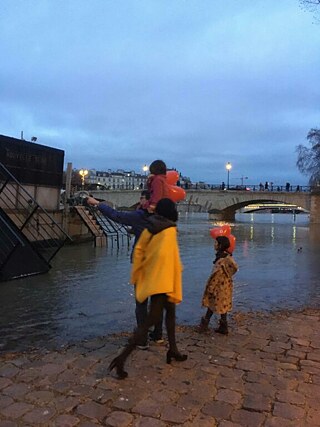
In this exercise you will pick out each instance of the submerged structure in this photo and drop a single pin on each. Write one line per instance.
(30, 183)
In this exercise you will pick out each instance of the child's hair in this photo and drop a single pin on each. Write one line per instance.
(168, 209)
(223, 242)
(223, 245)
(158, 167)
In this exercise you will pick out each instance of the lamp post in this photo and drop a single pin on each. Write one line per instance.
(145, 169)
(83, 173)
(228, 167)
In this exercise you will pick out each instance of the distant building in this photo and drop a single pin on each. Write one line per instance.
(117, 180)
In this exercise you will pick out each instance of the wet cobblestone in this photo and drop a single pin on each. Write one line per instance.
(265, 373)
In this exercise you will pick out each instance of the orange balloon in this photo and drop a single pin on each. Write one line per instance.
(215, 232)
(232, 246)
(172, 177)
(221, 231)
(232, 241)
(176, 193)
(226, 230)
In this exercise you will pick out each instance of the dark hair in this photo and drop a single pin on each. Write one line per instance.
(158, 167)
(223, 242)
(146, 194)
(223, 245)
(168, 209)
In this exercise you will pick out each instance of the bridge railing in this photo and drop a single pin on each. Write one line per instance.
(256, 187)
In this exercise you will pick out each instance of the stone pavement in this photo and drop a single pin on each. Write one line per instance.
(265, 373)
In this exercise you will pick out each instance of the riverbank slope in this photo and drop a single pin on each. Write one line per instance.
(265, 373)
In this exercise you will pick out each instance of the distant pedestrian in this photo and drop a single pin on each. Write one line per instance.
(223, 186)
(298, 188)
(266, 186)
(217, 296)
(288, 186)
(261, 188)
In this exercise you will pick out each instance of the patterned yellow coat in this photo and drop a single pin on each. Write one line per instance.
(218, 292)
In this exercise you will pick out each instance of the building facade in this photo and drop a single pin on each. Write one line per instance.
(118, 180)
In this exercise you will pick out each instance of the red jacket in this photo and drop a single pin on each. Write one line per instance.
(159, 189)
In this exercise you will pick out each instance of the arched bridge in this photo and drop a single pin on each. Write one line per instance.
(223, 205)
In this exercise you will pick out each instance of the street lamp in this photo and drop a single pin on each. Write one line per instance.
(83, 173)
(145, 169)
(228, 167)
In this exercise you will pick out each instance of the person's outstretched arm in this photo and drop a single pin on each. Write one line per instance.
(121, 217)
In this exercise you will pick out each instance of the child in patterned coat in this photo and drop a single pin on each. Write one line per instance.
(217, 296)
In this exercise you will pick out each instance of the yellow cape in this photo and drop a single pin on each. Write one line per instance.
(157, 267)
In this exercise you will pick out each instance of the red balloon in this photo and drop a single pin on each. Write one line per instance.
(232, 241)
(215, 232)
(221, 231)
(176, 193)
(172, 177)
(226, 230)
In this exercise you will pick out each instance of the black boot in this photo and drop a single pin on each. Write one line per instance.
(203, 326)
(118, 364)
(223, 325)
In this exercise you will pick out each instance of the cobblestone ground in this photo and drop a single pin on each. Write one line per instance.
(265, 373)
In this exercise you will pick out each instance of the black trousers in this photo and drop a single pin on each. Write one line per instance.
(141, 316)
(158, 304)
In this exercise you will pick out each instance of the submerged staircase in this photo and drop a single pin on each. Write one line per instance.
(102, 228)
(93, 226)
(29, 236)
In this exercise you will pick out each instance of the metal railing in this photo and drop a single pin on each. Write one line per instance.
(257, 187)
(41, 230)
(115, 232)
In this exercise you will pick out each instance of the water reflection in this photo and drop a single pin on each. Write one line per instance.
(87, 292)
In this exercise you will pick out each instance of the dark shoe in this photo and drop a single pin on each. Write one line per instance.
(118, 363)
(223, 328)
(203, 327)
(176, 356)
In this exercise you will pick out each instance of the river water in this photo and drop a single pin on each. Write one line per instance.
(87, 291)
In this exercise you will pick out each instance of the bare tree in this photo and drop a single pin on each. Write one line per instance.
(308, 161)
(310, 2)
(312, 6)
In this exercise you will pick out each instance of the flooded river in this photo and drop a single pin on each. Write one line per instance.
(87, 294)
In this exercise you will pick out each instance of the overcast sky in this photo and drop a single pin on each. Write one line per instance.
(197, 83)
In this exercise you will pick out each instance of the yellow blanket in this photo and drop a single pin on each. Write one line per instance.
(157, 267)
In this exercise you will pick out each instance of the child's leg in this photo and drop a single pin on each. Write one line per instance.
(204, 322)
(209, 314)
(223, 325)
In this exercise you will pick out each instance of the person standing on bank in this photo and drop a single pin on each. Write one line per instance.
(138, 220)
(217, 296)
(156, 273)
